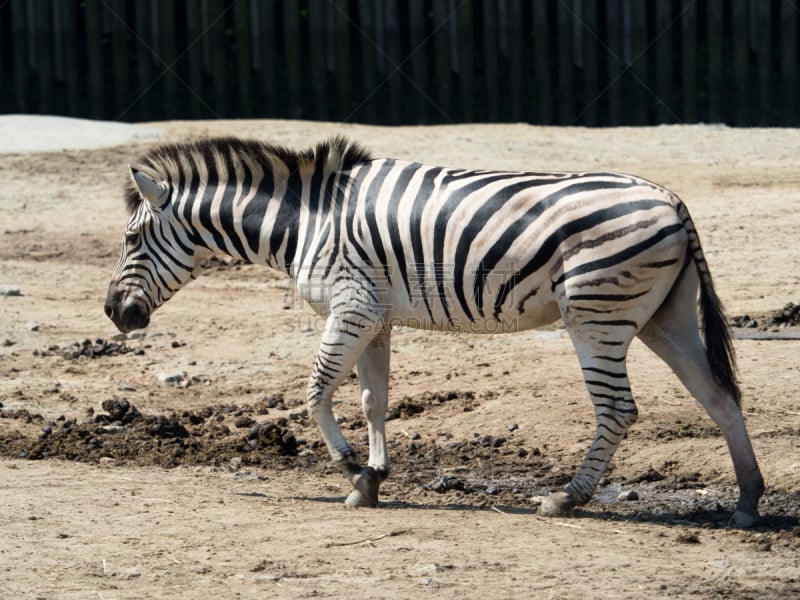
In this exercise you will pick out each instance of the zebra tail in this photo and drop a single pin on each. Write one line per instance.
(716, 332)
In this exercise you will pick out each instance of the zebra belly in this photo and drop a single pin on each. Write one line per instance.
(530, 317)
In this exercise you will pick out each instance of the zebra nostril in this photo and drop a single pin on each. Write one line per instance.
(109, 311)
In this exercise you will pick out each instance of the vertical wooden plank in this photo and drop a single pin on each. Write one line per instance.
(490, 54)
(344, 75)
(664, 63)
(268, 58)
(144, 61)
(443, 67)
(714, 79)
(640, 95)
(740, 19)
(72, 78)
(317, 47)
(689, 60)
(5, 99)
(369, 69)
(466, 60)
(244, 58)
(166, 34)
(616, 61)
(294, 71)
(566, 66)
(764, 66)
(590, 102)
(543, 97)
(119, 58)
(44, 41)
(94, 57)
(789, 56)
(391, 23)
(19, 25)
(418, 48)
(516, 60)
(218, 58)
(194, 30)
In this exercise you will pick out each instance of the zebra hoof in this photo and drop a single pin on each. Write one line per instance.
(743, 520)
(559, 504)
(365, 488)
(358, 500)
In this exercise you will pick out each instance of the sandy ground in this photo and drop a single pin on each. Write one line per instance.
(93, 506)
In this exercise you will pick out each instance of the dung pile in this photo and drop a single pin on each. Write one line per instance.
(90, 349)
(788, 316)
(125, 434)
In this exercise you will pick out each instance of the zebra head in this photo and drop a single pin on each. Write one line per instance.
(157, 257)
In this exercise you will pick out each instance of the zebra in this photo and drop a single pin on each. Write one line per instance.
(372, 243)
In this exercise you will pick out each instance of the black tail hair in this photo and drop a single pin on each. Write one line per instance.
(717, 337)
(716, 332)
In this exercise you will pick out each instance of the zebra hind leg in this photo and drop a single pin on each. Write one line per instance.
(373, 375)
(606, 378)
(672, 333)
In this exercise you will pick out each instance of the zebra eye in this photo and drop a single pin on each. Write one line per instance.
(132, 238)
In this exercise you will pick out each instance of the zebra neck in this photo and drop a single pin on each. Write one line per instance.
(281, 224)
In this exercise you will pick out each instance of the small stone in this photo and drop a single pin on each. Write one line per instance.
(629, 496)
(513, 427)
(9, 290)
(301, 412)
(32, 326)
(687, 537)
(134, 572)
(244, 421)
(492, 490)
(446, 483)
(173, 378)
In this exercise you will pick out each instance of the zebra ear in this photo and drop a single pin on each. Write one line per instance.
(151, 190)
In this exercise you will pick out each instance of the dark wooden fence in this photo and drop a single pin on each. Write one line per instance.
(587, 62)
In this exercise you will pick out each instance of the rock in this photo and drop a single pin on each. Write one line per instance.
(244, 421)
(9, 290)
(32, 326)
(167, 427)
(301, 412)
(492, 490)
(171, 378)
(446, 483)
(629, 496)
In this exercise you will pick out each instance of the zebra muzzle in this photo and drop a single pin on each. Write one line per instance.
(127, 317)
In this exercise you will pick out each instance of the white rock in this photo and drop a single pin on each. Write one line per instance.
(171, 378)
(9, 290)
(298, 413)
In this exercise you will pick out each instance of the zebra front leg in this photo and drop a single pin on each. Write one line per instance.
(373, 374)
(606, 379)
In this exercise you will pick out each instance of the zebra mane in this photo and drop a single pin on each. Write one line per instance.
(165, 162)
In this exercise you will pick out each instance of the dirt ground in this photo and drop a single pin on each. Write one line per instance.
(179, 463)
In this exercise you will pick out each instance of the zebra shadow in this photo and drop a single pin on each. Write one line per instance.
(784, 515)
